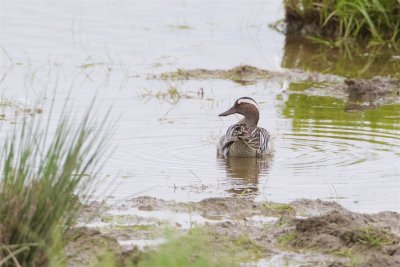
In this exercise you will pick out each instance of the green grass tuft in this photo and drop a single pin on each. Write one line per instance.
(280, 207)
(355, 259)
(189, 250)
(286, 239)
(373, 237)
(41, 174)
(370, 21)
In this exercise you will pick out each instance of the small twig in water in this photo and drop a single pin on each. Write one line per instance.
(195, 175)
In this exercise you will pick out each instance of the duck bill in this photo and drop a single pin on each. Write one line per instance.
(230, 111)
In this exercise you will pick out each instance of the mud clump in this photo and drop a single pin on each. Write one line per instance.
(245, 74)
(216, 208)
(242, 74)
(341, 232)
(370, 91)
(87, 246)
(358, 94)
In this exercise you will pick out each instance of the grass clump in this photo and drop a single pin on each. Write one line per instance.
(189, 250)
(203, 247)
(286, 239)
(171, 95)
(372, 21)
(355, 258)
(179, 74)
(41, 174)
(279, 207)
(372, 237)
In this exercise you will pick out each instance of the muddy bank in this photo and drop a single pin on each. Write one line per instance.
(245, 74)
(359, 94)
(239, 230)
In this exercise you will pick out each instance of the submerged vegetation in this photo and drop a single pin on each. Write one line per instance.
(369, 21)
(42, 176)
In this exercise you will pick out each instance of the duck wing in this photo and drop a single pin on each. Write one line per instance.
(234, 133)
(257, 138)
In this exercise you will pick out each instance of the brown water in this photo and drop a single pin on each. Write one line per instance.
(165, 144)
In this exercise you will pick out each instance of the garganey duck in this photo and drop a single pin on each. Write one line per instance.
(245, 139)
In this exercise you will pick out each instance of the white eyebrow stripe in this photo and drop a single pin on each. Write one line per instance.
(248, 101)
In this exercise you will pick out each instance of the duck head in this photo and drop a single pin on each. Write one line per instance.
(247, 107)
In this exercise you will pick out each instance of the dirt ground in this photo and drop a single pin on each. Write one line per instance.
(301, 233)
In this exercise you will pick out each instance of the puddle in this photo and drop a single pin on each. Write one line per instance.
(182, 220)
(263, 219)
(292, 259)
(142, 243)
(165, 142)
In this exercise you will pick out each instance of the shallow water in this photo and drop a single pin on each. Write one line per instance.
(165, 146)
(348, 61)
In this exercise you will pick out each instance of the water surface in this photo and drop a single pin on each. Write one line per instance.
(164, 143)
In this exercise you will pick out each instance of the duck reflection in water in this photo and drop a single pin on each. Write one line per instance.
(243, 174)
(245, 148)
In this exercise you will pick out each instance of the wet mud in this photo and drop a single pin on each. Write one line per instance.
(306, 232)
(371, 93)
(88, 245)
